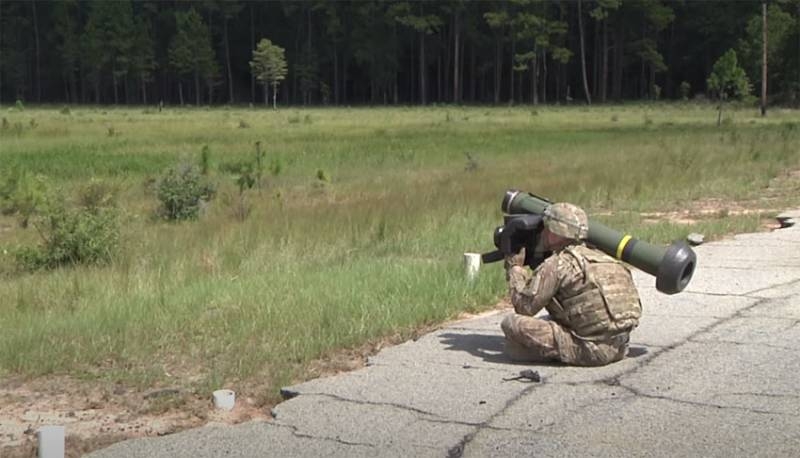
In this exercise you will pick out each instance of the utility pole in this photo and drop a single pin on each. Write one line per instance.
(764, 58)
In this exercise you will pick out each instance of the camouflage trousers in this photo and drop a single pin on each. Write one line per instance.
(530, 339)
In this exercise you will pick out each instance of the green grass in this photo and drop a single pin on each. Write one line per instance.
(376, 251)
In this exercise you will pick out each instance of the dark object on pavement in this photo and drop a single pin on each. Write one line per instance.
(673, 266)
(526, 375)
(785, 221)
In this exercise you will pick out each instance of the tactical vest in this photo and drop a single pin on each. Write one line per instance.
(599, 301)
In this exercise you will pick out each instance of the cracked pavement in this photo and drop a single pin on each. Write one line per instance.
(711, 372)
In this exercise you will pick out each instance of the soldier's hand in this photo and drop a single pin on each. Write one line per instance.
(517, 259)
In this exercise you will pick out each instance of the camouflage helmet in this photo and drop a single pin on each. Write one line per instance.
(566, 220)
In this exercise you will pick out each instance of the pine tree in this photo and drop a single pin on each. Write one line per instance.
(269, 67)
(190, 52)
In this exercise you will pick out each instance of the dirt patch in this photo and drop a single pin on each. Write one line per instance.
(96, 415)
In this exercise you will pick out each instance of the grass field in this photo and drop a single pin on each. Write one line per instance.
(356, 234)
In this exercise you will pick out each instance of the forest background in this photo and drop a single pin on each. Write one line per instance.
(389, 52)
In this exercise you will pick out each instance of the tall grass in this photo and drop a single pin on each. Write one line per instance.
(373, 250)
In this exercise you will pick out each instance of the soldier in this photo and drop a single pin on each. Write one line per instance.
(591, 298)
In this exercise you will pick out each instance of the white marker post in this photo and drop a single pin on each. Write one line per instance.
(51, 441)
(472, 264)
(224, 399)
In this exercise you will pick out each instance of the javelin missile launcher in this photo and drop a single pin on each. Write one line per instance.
(673, 266)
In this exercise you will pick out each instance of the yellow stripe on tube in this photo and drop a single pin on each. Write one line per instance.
(622, 244)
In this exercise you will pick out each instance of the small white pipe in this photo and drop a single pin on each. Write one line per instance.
(472, 264)
(51, 441)
(224, 399)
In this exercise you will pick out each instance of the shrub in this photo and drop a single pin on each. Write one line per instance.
(97, 195)
(205, 160)
(685, 89)
(72, 236)
(183, 192)
(22, 194)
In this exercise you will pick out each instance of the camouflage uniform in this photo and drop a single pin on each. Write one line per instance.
(591, 298)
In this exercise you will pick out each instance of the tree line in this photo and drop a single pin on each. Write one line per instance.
(390, 52)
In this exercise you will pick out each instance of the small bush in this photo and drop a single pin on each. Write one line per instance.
(233, 167)
(97, 195)
(183, 192)
(685, 90)
(276, 166)
(243, 124)
(22, 194)
(205, 160)
(19, 105)
(72, 236)
(322, 176)
(65, 110)
(472, 163)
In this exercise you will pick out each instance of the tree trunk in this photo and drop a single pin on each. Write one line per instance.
(456, 63)
(473, 78)
(180, 91)
(604, 77)
(412, 75)
(669, 90)
(544, 75)
(196, 88)
(583, 54)
(228, 59)
(423, 84)
(619, 57)
(498, 67)
(252, 48)
(534, 78)
(345, 65)
(444, 96)
(274, 96)
(335, 75)
(266, 94)
(511, 68)
(36, 40)
(126, 90)
(439, 78)
(596, 60)
(114, 81)
(764, 58)
(144, 92)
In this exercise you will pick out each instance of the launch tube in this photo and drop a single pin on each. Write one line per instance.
(673, 266)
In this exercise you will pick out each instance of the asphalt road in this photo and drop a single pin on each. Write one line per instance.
(712, 371)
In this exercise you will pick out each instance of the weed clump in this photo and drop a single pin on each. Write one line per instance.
(205, 160)
(183, 193)
(22, 194)
(72, 236)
